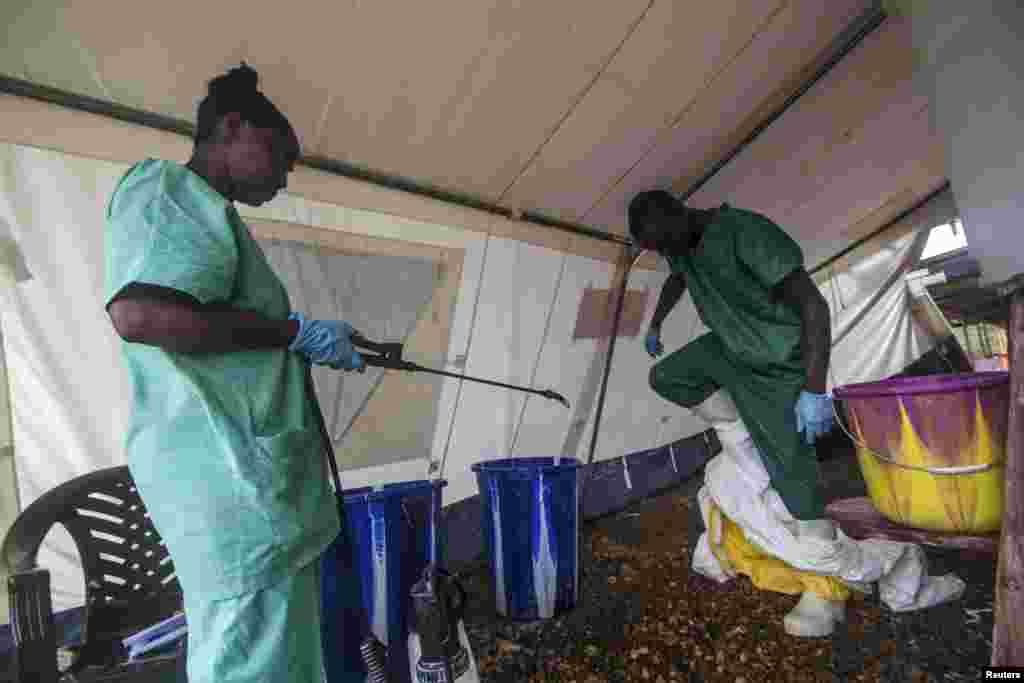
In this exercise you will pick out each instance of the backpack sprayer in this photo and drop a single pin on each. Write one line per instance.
(439, 649)
(438, 646)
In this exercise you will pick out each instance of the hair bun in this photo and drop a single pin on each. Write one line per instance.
(240, 81)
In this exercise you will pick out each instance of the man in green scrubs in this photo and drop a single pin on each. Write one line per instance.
(769, 340)
(223, 439)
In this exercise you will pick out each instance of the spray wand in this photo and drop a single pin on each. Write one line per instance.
(388, 355)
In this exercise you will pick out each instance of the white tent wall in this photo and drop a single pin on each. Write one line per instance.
(70, 392)
(8, 484)
(63, 367)
(383, 297)
(67, 382)
(968, 66)
(874, 331)
(874, 334)
(516, 293)
(522, 334)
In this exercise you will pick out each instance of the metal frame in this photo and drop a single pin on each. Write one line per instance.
(847, 42)
(852, 37)
(92, 105)
(867, 238)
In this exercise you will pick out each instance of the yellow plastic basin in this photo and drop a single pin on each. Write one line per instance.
(932, 449)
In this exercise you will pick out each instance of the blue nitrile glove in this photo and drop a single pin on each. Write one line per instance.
(652, 342)
(813, 415)
(326, 342)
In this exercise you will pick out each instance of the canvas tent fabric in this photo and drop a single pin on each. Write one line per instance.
(873, 329)
(65, 334)
(510, 317)
(642, 93)
(330, 285)
(70, 394)
(874, 333)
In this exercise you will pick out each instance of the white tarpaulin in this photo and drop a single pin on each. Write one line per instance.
(380, 296)
(874, 334)
(738, 485)
(69, 387)
(511, 320)
(70, 394)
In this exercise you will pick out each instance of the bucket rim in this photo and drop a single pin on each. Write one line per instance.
(927, 384)
(396, 489)
(543, 464)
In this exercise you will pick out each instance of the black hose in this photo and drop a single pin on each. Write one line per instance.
(374, 656)
(373, 651)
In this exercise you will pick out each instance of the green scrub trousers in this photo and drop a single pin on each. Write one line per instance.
(691, 374)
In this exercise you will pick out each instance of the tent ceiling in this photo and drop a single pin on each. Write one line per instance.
(858, 138)
(549, 107)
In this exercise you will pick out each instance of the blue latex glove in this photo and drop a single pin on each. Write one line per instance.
(813, 415)
(652, 342)
(327, 342)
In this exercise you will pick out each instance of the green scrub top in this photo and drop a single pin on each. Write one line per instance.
(754, 347)
(730, 274)
(224, 447)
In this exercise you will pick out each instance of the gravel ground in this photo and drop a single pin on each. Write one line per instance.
(643, 616)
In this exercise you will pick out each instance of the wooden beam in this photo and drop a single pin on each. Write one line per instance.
(1008, 632)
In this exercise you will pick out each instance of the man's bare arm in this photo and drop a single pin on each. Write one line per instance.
(671, 292)
(175, 321)
(802, 295)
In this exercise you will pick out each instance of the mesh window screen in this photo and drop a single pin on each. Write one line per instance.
(381, 296)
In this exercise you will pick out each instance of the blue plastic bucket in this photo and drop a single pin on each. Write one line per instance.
(373, 564)
(531, 530)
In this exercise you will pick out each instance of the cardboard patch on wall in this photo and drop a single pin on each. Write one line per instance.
(597, 313)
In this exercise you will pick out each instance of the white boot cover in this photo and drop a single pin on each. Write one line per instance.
(738, 484)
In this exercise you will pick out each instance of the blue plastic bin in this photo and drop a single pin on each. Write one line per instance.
(380, 554)
(530, 516)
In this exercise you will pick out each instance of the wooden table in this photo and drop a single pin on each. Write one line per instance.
(858, 518)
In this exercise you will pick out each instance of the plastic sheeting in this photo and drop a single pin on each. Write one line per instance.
(512, 322)
(873, 332)
(737, 483)
(521, 308)
(68, 385)
(382, 297)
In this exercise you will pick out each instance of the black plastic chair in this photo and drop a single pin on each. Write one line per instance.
(129, 581)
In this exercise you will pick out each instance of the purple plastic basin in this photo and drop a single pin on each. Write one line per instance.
(929, 384)
(941, 409)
